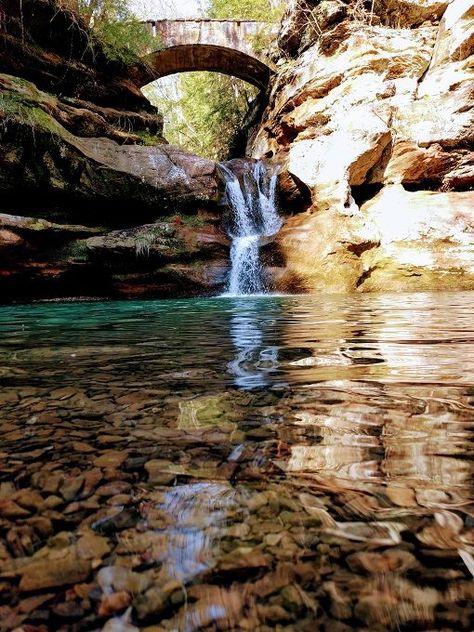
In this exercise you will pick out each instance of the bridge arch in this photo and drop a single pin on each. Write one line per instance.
(224, 46)
(207, 57)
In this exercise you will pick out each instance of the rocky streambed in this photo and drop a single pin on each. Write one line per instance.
(268, 464)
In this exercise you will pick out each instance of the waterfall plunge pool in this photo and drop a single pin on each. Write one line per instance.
(273, 463)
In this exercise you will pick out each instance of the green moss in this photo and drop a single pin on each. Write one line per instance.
(148, 139)
(10, 104)
(262, 41)
(46, 122)
(188, 220)
(23, 108)
(76, 250)
(39, 225)
(193, 220)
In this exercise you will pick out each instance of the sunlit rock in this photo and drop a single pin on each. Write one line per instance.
(456, 34)
(425, 240)
(365, 105)
(322, 250)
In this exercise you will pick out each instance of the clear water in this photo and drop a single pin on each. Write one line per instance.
(256, 463)
(254, 219)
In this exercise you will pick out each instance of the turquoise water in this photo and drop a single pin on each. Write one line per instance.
(264, 463)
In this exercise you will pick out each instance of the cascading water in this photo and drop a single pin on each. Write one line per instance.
(254, 220)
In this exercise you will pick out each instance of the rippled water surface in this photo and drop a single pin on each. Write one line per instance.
(273, 463)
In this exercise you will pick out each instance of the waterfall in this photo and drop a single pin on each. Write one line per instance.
(254, 219)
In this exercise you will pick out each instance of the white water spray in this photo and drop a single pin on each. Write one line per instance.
(255, 219)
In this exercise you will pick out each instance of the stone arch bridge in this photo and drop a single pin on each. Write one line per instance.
(225, 46)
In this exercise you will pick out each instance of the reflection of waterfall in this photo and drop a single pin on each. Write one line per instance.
(255, 218)
(196, 514)
(254, 361)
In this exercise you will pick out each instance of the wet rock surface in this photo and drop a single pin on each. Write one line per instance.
(268, 482)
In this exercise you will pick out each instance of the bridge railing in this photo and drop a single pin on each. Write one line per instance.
(153, 26)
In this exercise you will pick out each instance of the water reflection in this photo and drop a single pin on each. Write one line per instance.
(270, 463)
(254, 362)
(187, 545)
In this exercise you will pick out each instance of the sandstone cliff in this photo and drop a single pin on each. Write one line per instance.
(372, 110)
(84, 170)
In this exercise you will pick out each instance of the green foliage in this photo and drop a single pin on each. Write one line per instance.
(188, 220)
(76, 250)
(264, 10)
(207, 114)
(150, 140)
(123, 41)
(14, 108)
(10, 106)
(261, 42)
(193, 220)
(120, 33)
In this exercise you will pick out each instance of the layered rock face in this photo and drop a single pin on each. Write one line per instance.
(84, 170)
(372, 110)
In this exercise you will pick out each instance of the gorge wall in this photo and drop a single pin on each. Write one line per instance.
(93, 201)
(372, 111)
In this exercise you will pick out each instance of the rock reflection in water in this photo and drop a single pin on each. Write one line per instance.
(282, 463)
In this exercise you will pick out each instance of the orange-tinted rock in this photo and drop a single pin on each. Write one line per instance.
(9, 239)
(116, 602)
(51, 573)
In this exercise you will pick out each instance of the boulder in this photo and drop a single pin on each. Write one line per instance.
(331, 120)
(410, 13)
(415, 165)
(163, 241)
(322, 251)
(456, 34)
(93, 169)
